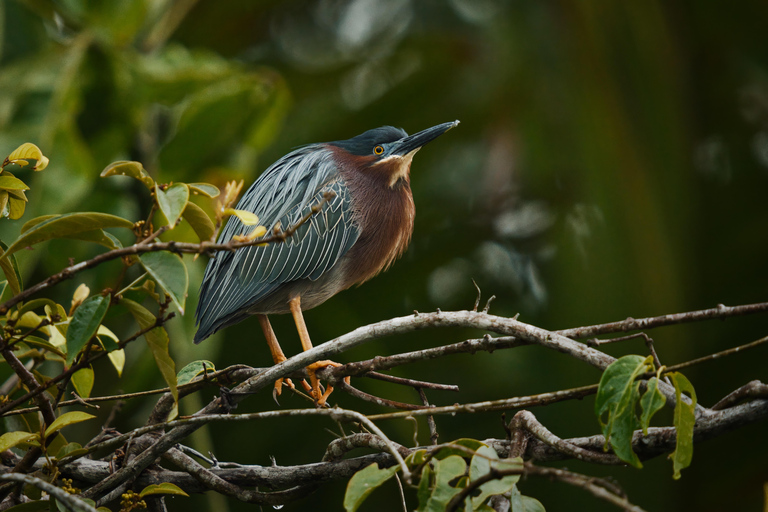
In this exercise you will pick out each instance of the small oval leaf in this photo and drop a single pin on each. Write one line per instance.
(194, 369)
(170, 272)
(132, 169)
(11, 439)
(84, 324)
(205, 189)
(83, 381)
(172, 201)
(164, 488)
(199, 221)
(66, 419)
(11, 183)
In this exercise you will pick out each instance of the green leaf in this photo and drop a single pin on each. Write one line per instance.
(463, 447)
(98, 236)
(483, 462)
(83, 381)
(11, 270)
(32, 506)
(170, 272)
(70, 449)
(617, 395)
(132, 169)
(11, 439)
(685, 420)
(522, 503)
(364, 482)
(445, 470)
(192, 370)
(425, 486)
(84, 324)
(205, 189)
(63, 226)
(11, 183)
(651, 402)
(164, 488)
(199, 221)
(66, 419)
(172, 201)
(157, 339)
(36, 303)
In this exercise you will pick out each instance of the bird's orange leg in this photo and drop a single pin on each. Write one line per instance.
(277, 353)
(306, 344)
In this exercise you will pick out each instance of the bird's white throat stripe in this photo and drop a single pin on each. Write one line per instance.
(402, 165)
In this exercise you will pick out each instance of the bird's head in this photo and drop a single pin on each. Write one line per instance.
(387, 151)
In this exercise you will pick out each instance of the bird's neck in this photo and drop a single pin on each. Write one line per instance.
(384, 215)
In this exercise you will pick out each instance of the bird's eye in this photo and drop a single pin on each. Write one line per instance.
(378, 150)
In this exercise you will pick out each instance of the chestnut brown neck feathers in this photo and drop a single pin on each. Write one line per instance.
(383, 206)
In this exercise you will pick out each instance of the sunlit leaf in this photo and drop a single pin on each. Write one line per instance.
(164, 488)
(364, 482)
(132, 169)
(110, 342)
(157, 340)
(194, 369)
(170, 272)
(29, 151)
(4, 207)
(685, 419)
(172, 201)
(84, 324)
(66, 419)
(11, 183)
(205, 189)
(82, 380)
(246, 217)
(199, 221)
(11, 439)
(62, 226)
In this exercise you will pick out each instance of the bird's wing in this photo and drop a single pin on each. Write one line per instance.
(285, 193)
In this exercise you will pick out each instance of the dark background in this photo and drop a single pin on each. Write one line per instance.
(611, 161)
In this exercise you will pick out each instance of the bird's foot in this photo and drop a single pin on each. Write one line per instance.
(279, 383)
(316, 389)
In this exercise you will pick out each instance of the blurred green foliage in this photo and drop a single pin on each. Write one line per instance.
(612, 161)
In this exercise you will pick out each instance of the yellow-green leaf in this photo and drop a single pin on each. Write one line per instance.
(132, 169)
(11, 183)
(83, 381)
(29, 151)
(62, 226)
(98, 236)
(66, 419)
(164, 488)
(246, 217)
(11, 439)
(172, 201)
(205, 189)
(16, 207)
(157, 340)
(199, 221)
(170, 272)
(684, 420)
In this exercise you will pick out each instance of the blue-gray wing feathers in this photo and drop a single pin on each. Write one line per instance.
(235, 282)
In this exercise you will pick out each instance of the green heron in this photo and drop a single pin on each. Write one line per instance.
(364, 226)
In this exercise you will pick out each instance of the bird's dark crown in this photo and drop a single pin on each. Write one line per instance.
(363, 144)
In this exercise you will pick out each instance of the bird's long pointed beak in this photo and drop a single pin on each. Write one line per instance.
(413, 142)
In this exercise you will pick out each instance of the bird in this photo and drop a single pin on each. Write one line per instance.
(364, 215)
